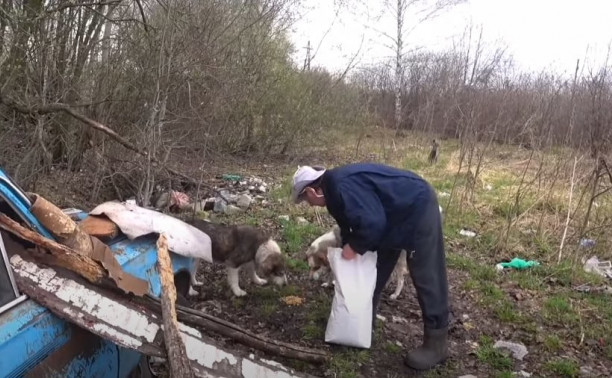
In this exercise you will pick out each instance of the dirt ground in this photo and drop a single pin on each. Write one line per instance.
(263, 312)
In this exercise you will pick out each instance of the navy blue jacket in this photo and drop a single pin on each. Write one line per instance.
(376, 206)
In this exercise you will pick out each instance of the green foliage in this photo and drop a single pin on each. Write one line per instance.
(552, 343)
(296, 237)
(346, 363)
(557, 309)
(563, 367)
(493, 357)
(393, 348)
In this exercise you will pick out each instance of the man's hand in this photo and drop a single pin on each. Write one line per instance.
(348, 253)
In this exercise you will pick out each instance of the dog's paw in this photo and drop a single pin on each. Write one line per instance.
(240, 293)
(259, 281)
(192, 292)
(195, 282)
(393, 296)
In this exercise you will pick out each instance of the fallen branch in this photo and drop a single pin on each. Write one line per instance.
(208, 322)
(59, 107)
(62, 256)
(177, 355)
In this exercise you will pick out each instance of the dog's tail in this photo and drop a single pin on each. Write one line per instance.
(337, 234)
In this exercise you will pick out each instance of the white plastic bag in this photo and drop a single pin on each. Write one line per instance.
(350, 320)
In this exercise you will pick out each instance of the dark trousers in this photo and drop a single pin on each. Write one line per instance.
(427, 267)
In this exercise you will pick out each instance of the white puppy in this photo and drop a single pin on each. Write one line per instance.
(316, 255)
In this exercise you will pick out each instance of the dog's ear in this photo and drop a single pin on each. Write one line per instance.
(273, 264)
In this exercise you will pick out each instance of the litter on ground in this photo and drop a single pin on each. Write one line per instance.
(467, 233)
(293, 300)
(517, 263)
(603, 268)
(587, 243)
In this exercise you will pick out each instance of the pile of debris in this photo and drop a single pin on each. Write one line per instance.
(233, 194)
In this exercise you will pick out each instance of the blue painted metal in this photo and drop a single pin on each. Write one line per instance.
(18, 200)
(108, 360)
(29, 332)
(139, 257)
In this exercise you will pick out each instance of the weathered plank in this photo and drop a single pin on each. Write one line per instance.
(98, 266)
(69, 233)
(177, 356)
(100, 227)
(64, 257)
(131, 325)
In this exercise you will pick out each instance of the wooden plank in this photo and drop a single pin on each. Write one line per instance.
(63, 256)
(99, 226)
(99, 266)
(179, 363)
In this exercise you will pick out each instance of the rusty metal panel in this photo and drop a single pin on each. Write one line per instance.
(28, 333)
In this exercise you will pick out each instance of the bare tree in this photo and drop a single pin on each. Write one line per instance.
(423, 10)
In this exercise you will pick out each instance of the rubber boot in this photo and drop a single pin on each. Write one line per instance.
(433, 351)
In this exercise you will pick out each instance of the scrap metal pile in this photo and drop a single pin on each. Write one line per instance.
(78, 277)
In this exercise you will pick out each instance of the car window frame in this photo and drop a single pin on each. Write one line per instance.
(4, 259)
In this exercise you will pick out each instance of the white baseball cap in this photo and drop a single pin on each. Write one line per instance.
(304, 176)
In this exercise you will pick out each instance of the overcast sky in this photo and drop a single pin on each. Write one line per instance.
(539, 34)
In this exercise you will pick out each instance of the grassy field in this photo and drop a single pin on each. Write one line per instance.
(518, 207)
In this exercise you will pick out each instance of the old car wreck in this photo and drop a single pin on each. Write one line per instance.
(79, 297)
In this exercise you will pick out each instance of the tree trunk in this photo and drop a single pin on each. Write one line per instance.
(398, 66)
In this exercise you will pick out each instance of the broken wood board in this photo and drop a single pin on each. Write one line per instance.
(65, 230)
(100, 227)
(92, 267)
(175, 348)
(71, 235)
(115, 318)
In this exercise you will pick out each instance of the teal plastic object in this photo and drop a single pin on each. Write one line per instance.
(229, 177)
(519, 264)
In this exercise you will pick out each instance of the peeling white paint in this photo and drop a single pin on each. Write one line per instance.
(251, 369)
(128, 326)
(106, 330)
(273, 363)
(190, 330)
(205, 354)
(108, 311)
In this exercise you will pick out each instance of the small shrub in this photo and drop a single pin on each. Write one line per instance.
(563, 367)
